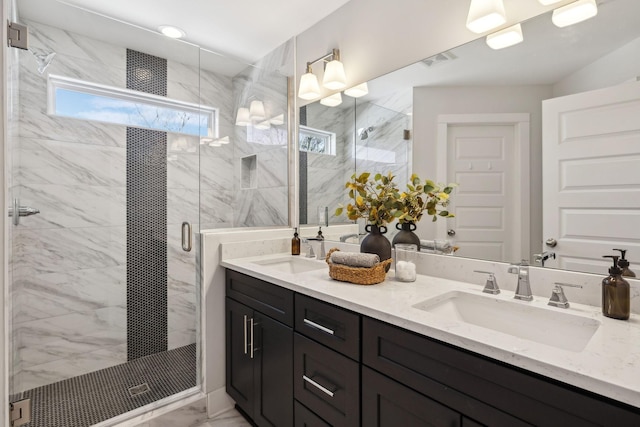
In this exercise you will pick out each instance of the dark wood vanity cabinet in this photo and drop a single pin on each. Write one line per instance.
(318, 365)
(484, 391)
(259, 350)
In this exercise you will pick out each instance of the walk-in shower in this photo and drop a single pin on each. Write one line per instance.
(104, 312)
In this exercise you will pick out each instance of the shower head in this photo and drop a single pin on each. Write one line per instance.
(43, 59)
(364, 132)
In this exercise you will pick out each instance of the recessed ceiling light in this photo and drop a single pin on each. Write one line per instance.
(171, 31)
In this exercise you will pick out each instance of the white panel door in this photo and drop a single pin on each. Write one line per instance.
(591, 178)
(480, 160)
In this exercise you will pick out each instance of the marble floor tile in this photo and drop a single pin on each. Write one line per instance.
(230, 418)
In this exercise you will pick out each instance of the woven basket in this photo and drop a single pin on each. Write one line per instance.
(357, 275)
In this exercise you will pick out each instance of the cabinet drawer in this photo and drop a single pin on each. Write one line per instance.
(481, 388)
(274, 301)
(386, 403)
(326, 382)
(305, 418)
(335, 327)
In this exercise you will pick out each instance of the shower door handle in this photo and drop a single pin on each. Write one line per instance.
(21, 210)
(186, 237)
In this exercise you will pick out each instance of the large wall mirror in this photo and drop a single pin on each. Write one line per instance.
(476, 118)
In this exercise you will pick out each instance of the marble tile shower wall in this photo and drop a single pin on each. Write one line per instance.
(385, 149)
(69, 284)
(327, 174)
(261, 200)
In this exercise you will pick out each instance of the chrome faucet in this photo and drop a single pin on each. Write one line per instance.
(345, 237)
(321, 254)
(523, 290)
(541, 258)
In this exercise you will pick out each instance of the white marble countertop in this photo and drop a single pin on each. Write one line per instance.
(609, 365)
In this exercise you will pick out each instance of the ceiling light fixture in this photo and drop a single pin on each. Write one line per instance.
(505, 38)
(485, 15)
(172, 32)
(357, 91)
(573, 13)
(332, 100)
(334, 77)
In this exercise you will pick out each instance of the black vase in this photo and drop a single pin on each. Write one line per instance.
(376, 243)
(406, 234)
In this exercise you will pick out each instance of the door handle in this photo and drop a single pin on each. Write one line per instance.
(186, 237)
(22, 211)
(244, 327)
(551, 242)
(451, 232)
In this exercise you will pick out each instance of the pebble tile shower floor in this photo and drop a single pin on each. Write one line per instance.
(97, 396)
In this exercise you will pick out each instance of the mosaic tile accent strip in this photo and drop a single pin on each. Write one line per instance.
(88, 399)
(146, 218)
(146, 73)
(303, 171)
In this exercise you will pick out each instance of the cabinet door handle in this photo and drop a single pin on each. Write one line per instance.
(318, 326)
(251, 336)
(318, 386)
(245, 333)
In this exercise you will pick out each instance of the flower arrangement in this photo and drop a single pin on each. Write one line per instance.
(379, 201)
(374, 200)
(420, 197)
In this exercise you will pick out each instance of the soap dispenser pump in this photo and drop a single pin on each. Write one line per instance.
(623, 263)
(616, 299)
(295, 243)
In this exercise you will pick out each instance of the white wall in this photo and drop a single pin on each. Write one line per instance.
(429, 102)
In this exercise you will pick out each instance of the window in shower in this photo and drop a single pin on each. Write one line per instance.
(91, 101)
(317, 141)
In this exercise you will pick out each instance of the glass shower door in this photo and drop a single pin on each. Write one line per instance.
(103, 295)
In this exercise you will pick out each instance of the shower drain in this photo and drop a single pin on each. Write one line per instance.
(137, 390)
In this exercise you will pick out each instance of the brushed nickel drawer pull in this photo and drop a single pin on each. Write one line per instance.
(318, 386)
(319, 327)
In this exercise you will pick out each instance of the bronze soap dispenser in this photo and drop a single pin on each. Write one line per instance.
(616, 299)
(623, 263)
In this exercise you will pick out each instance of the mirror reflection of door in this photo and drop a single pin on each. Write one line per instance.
(591, 184)
(482, 156)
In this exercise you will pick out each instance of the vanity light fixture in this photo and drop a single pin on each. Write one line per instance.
(505, 38)
(334, 77)
(171, 31)
(243, 117)
(256, 111)
(357, 91)
(573, 13)
(332, 100)
(485, 15)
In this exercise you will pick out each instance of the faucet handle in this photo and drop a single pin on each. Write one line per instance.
(491, 286)
(558, 298)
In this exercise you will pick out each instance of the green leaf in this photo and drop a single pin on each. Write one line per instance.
(339, 211)
(444, 213)
(377, 177)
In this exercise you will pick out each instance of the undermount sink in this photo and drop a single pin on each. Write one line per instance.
(519, 319)
(292, 264)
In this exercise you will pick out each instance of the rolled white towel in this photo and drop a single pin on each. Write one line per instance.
(354, 259)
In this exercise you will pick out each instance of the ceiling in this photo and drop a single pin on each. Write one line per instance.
(236, 32)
